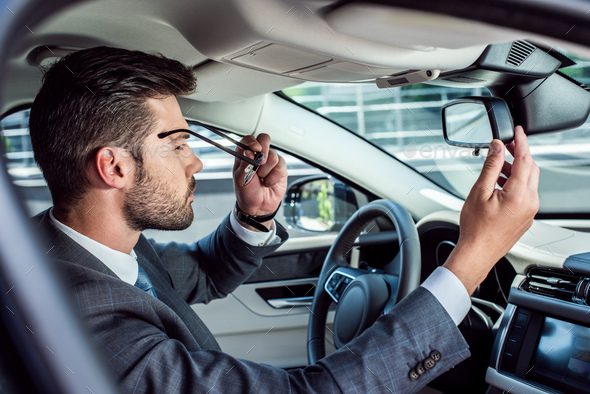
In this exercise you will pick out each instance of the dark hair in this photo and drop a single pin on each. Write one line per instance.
(95, 98)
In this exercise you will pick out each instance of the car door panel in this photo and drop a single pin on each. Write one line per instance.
(266, 318)
(247, 326)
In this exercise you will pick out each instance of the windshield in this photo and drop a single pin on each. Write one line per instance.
(406, 123)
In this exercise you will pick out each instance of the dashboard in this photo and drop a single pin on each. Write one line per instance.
(541, 334)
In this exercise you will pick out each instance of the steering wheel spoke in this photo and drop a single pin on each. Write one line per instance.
(339, 279)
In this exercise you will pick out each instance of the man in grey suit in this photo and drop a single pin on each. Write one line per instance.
(110, 139)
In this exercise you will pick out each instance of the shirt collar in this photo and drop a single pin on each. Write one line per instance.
(122, 264)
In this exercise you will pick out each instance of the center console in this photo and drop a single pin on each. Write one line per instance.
(543, 343)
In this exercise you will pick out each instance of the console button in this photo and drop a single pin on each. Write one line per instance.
(516, 334)
(508, 362)
(512, 348)
(521, 320)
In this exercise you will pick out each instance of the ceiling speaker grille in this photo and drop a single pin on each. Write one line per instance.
(519, 51)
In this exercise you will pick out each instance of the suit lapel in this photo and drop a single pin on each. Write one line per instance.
(151, 263)
(62, 247)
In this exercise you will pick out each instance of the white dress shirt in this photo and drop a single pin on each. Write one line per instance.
(442, 283)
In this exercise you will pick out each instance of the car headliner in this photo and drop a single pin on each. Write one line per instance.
(242, 49)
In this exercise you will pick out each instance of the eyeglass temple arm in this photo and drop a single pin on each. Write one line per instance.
(216, 144)
(222, 135)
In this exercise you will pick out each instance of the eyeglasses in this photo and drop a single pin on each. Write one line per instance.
(253, 164)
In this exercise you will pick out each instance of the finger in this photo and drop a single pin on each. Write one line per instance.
(255, 145)
(246, 140)
(522, 164)
(239, 164)
(251, 142)
(271, 161)
(277, 174)
(486, 182)
(507, 169)
(510, 148)
(264, 142)
(533, 183)
(511, 145)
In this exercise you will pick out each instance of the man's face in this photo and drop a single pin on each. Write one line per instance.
(162, 194)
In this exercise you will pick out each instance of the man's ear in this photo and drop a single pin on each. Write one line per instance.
(113, 167)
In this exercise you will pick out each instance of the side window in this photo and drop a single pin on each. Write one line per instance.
(20, 163)
(214, 197)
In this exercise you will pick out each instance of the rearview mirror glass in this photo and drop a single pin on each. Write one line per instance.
(473, 122)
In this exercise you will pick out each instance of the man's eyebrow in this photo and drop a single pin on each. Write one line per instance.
(184, 136)
(175, 136)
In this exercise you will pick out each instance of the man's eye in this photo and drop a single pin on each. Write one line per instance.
(180, 147)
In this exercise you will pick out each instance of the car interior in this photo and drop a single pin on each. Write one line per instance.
(372, 104)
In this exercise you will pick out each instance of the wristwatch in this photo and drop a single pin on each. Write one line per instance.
(255, 220)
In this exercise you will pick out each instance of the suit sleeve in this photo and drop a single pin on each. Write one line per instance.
(149, 350)
(214, 266)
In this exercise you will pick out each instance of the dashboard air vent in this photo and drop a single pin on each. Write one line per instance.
(519, 51)
(552, 283)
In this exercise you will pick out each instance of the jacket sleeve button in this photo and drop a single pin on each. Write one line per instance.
(435, 355)
(420, 368)
(429, 363)
(413, 374)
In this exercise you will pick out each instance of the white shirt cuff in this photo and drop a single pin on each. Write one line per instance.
(450, 292)
(254, 238)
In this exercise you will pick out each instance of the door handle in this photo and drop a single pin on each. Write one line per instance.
(280, 303)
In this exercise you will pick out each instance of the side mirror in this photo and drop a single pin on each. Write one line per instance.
(473, 122)
(319, 203)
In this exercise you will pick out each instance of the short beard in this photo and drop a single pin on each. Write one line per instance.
(150, 205)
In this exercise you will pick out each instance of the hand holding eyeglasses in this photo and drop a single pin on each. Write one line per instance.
(262, 194)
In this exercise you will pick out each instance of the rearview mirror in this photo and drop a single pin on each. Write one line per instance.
(473, 122)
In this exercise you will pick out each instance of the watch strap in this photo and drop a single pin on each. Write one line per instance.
(255, 220)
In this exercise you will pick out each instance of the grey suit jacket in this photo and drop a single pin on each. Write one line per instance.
(160, 345)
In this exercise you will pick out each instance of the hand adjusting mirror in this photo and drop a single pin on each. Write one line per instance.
(473, 122)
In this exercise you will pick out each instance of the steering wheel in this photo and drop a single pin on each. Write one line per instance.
(362, 296)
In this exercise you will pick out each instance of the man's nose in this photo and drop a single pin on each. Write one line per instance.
(195, 165)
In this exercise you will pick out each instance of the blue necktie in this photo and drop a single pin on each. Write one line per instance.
(144, 283)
